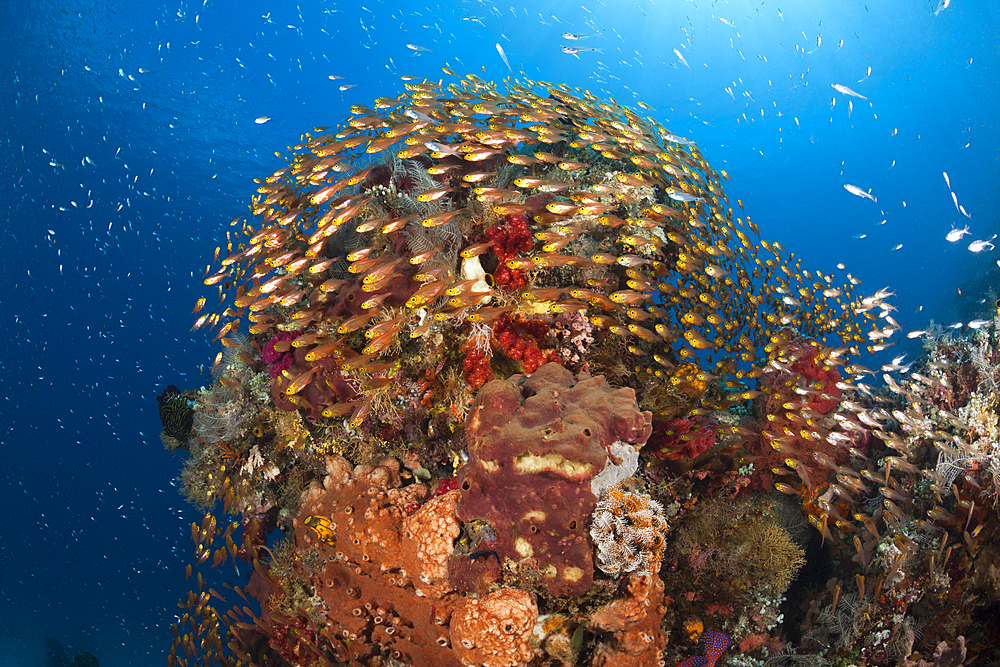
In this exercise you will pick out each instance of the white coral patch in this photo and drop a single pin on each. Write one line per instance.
(472, 269)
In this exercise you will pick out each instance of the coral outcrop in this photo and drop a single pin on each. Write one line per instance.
(404, 291)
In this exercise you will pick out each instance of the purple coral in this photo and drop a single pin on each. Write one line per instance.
(574, 332)
(275, 360)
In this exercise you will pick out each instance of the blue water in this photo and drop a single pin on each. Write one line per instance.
(128, 143)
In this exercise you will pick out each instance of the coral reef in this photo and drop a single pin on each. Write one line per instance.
(542, 306)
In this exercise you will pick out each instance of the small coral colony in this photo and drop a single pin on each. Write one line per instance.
(506, 381)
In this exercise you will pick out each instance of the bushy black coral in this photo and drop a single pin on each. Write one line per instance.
(176, 413)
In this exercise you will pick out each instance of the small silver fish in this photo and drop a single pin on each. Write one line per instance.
(504, 57)
(673, 138)
(418, 115)
(979, 246)
(574, 50)
(855, 190)
(579, 35)
(846, 91)
(442, 148)
(956, 234)
(678, 195)
(681, 58)
(977, 324)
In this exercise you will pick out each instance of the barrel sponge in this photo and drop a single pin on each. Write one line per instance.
(535, 443)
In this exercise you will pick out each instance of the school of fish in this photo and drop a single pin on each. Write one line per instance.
(637, 230)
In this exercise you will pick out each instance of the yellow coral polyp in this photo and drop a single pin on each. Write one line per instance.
(693, 628)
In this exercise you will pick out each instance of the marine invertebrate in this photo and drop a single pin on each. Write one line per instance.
(715, 645)
(628, 529)
(574, 331)
(623, 462)
(509, 239)
(221, 414)
(743, 542)
(683, 436)
(534, 445)
(176, 413)
(428, 537)
(628, 626)
(945, 656)
(277, 353)
(519, 338)
(493, 631)
(693, 627)
(376, 560)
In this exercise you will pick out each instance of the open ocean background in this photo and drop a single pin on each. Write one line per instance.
(128, 142)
